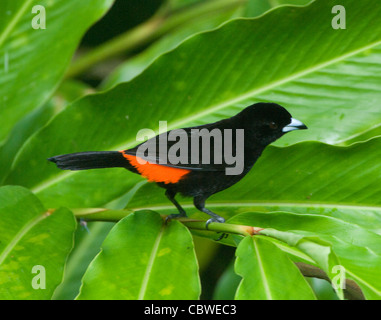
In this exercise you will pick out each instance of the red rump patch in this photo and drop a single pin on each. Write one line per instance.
(156, 172)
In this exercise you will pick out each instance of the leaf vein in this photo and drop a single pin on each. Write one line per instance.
(150, 264)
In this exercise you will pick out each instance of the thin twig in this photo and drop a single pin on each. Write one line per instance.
(101, 214)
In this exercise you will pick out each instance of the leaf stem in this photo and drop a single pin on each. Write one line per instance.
(102, 214)
(221, 227)
(161, 23)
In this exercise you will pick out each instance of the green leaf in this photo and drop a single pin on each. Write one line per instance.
(31, 237)
(320, 251)
(68, 91)
(144, 258)
(227, 284)
(33, 61)
(87, 245)
(268, 274)
(353, 247)
(137, 64)
(184, 88)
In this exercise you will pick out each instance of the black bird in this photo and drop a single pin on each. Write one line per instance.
(196, 161)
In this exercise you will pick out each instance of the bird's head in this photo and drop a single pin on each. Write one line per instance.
(267, 122)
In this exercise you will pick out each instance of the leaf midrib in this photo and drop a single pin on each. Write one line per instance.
(262, 272)
(265, 204)
(150, 263)
(362, 281)
(19, 236)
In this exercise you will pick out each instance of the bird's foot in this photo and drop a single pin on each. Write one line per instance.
(217, 219)
(175, 216)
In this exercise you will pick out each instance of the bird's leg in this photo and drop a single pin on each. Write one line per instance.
(199, 203)
(171, 196)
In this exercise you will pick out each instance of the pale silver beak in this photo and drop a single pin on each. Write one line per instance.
(294, 125)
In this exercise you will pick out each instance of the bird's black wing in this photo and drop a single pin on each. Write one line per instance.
(200, 148)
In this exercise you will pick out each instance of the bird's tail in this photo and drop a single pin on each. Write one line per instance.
(90, 160)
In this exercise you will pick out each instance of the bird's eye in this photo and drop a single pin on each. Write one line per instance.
(273, 125)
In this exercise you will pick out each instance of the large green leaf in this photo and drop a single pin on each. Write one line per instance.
(32, 61)
(144, 258)
(320, 251)
(88, 242)
(34, 243)
(185, 88)
(137, 64)
(265, 280)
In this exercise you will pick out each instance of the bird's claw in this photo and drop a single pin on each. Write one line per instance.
(217, 219)
(214, 219)
(174, 216)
